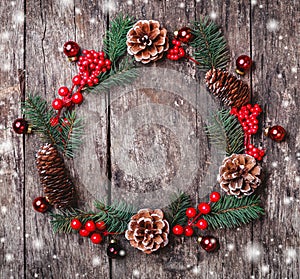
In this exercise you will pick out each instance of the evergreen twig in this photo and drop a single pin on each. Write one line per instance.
(176, 210)
(226, 132)
(230, 212)
(210, 48)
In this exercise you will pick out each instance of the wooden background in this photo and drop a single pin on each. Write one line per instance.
(32, 34)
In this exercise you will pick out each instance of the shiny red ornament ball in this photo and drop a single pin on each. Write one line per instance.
(90, 226)
(202, 224)
(84, 232)
(96, 238)
(188, 231)
(40, 204)
(100, 225)
(276, 133)
(178, 230)
(20, 126)
(71, 49)
(63, 91)
(77, 98)
(191, 212)
(209, 243)
(76, 224)
(214, 196)
(185, 35)
(243, 63)
(57, 104)
(204, 207)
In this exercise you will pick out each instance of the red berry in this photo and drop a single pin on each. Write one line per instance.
(178, 230)
(90, 226)
(76, 80)
(96, 238)
(100, 225)
(204, 208)
(188, 231)
(63, 91)
(57, 104)
(84, 232)
(202, 224)
(214, 196)
(77, 98)
(191, 212)
(174, 42)
(54, 121)
(76, 224)
(40, 204)
(67, 101)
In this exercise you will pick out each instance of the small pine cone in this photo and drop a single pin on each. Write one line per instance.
(58, 187)
(238, 175)
(230, 90)
(147, 41)
(148, 230)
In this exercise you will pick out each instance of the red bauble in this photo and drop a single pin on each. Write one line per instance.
(84, 232)
(276, 133)
(76, 224)
(100, 225)
(20, 126)
(54, 121)
(185, 35)
(90, 226)
(41, 204)
(204, 207)
(188, 231)
(209, 243)
(202, 224)
(63, 91)
(77, 98)
(57, 104)
(178, 230)
(214, 196)
(71, 49)
(191, 212)
(76, 80)
(243, 63)
(96, 238)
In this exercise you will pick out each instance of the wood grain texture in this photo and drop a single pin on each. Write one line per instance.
(147, 139)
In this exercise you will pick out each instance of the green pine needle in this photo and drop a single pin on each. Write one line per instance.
(176, 210)
(115, 40)
(230, 212)
(226, 132)
(210, 45)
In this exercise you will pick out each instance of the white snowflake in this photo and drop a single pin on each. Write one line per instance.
(196, 269)
(145, 1)
(3, 209)
(18, 17)
(261, 6)
(136, 273)
(253, 2)
(230, 246)
(253, 252)
(13, 3)
(96, 261)
(272, 25)
(280, 38)
(9, 257)
(2, 239)
(92, 20)
(109, 6)
(54, 257)
(77, 11)
(279, 75)
(36, 275)
(265, 269)
(38, 244)
(275, 164)
(182, 5)
(129, 2)
(213, 15)
(297, 179)
(6, 67)
(294, 70)
(5, 35)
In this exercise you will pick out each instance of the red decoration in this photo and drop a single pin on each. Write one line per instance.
(202, 224)
(84, 232)
(191, 212)
(209, 243)
(276, 133)
(63, 91)
(204, 208)
(71, 49)
(21, 126)
(77, 98)
(57, 104)
(176, 52)
(41, 204)
(100, 225)
(214, 196)
(243, 63)
(76, 224)
(54, 121)
(178, 230)
(184, 35)
(96, 238)
(90, 226)
(188, 231)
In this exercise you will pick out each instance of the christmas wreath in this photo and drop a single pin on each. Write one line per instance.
(127, 45)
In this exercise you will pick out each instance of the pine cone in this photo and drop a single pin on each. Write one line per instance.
(238, 175)
(230, 90)
(58, 188)
(147, 41)
(148, 231)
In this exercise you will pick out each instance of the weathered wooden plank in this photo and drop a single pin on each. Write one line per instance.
(275, 45)
(49, 25)
(11, 146)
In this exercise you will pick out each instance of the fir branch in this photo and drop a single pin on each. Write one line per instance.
(210, 45)
(226, 132)
(176, 210)
(39, 115)
(125, 73)
(115, 40)
(71, 133)
(230, 212)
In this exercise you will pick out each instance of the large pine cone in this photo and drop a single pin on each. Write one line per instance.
(238, 175)
(148, 230)
(147, 41)
(58, 187)
(230, 90)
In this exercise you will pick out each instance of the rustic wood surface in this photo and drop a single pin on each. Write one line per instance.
(143, 141)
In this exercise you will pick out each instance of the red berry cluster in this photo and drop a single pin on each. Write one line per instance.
(90, 229)
(194, 221)
(247, 116)
(176, 52)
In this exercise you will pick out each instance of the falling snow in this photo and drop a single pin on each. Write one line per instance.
(109, 6)
(253, 252)
(3, 209)
(129, 2)
(96, 261)
(213, 15)
(66, 3)
(77, 11)
(230, 246)
(135, 273)
(18, 17)
(182, 5)
(253, 2)
(38, 244)
(9, 257)
(275, 164)
(2, 239)
(272, 25)
(294, 70)
(196, 269)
